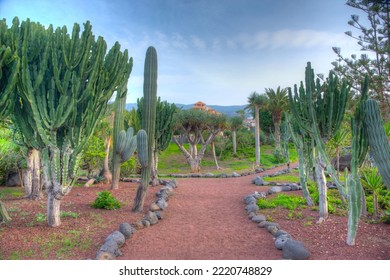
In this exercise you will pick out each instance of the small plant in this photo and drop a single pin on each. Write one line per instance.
(289, 202)
(64, 214)
(105, 200)
(40, 217)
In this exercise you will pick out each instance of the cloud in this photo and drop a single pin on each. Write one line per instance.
(197, 42)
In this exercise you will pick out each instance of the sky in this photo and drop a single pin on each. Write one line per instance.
(215, 51)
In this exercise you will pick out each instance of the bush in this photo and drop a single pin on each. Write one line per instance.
(105, 200)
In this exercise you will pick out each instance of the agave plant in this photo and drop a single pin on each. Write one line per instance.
(372, 181)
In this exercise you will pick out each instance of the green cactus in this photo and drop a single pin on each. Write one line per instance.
(142, 147)
(359, 151)
(379, 145)
(64, 88)
(319, 109)
(148, 121)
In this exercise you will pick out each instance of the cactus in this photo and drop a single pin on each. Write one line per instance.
(319, 109)
(379, 145)
(120, 103)
(64, 88)
(148, 121)
(352, 181)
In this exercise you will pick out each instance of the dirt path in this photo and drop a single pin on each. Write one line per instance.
(205, 219)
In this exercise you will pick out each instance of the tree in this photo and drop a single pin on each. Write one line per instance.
(277, 104)
(375, 42)
(65, 85)
(235, 123)
(196, 127)
(256, 101)
(372, 181)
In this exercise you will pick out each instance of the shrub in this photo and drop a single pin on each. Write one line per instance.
(105, 200)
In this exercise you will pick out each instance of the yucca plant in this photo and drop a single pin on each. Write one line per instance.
(372, 181)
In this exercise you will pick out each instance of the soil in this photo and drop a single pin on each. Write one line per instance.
(205, 220)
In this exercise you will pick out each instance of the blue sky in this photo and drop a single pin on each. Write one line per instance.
(216, 51)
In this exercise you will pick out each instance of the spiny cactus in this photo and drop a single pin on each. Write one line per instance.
(379, 145)
(64, 88)
(148, 121)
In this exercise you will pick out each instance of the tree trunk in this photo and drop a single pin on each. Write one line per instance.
(32, 175)
(322, 189)
(106, 173)
(234, 136)
(214, 155)
(257, 136)
(116, 172)
(154, 173)
(4, 217)
(277, 134)
(141, 193)
(53, 210)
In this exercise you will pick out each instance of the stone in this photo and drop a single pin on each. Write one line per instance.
(295, 250)
(250, 200)
(127, 230)
(344, 162)
(251, 215)
(138, 225)
(151, 217)
(209, 175)
(101, 255)
(154, 207)
(258, 218)
(162, 204)
(162, 194)
(281, 232)
(286, 188)
(118, 237)
(294, 186)
(110, 246)
(266, 224)
(159, 214)
(272, 229)
(252, 208)
(258, 195)
(258, 181)
(168, 190)
(280, 241)
(274, 189)
(235, 174)
(146, 223)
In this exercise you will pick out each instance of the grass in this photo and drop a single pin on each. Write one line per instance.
(285, 201)
(6, 192)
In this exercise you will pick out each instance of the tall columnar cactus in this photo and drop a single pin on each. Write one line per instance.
(120, 103)
(319, 109)
(9, 68)
(359, 152)
(379, 145)
(148, 121)
(64, 88)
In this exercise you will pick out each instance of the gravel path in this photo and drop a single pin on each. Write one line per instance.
(205, 220)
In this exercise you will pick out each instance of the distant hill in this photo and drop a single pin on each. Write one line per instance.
(227, 110)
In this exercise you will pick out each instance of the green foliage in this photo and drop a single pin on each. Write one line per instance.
(93, 154)
(290, 202)
(105, 200)
(278, 155)
(129, 167)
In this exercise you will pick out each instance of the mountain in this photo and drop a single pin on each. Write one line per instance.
(227, 110)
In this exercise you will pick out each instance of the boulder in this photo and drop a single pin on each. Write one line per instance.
(281, 232)
(250, 199)
(118, 237)
(294, 186)
(127, 230)
(275, 189)
(235, 174)
(138, 225)
(258, 181)
(280, 241)
(110, 246)
(286, 188)
(258, 218)
(295, 250)
(252, 208)
(151, 217)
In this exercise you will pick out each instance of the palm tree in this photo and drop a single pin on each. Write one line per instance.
(256, 101)
(277, 104)
(373, 182)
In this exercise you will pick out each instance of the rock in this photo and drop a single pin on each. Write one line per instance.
(162, 204)
(163, 195)
(13, 179)
(118, 237)
(258, 195)
(110, 246)
(159, 214)
(252, 208)
(127, 230)
(258, 181)
(209, 175)
(258, 218)
(138, 225)
(266, 224)
(235, 174)
(168, 190)
(275, 189)
(280, 241)
(101, 255)
(151, 217)
(281, 232)
(294, 186)
(154, 207)
(250, 199)
(331, 185)
(251, 215)
(146, 223)
(295, 250)
(286, 188)
(344, 162)
(272, 229)
(266, 183)
(258, 170)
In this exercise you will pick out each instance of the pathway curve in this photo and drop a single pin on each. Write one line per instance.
(205, 220)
